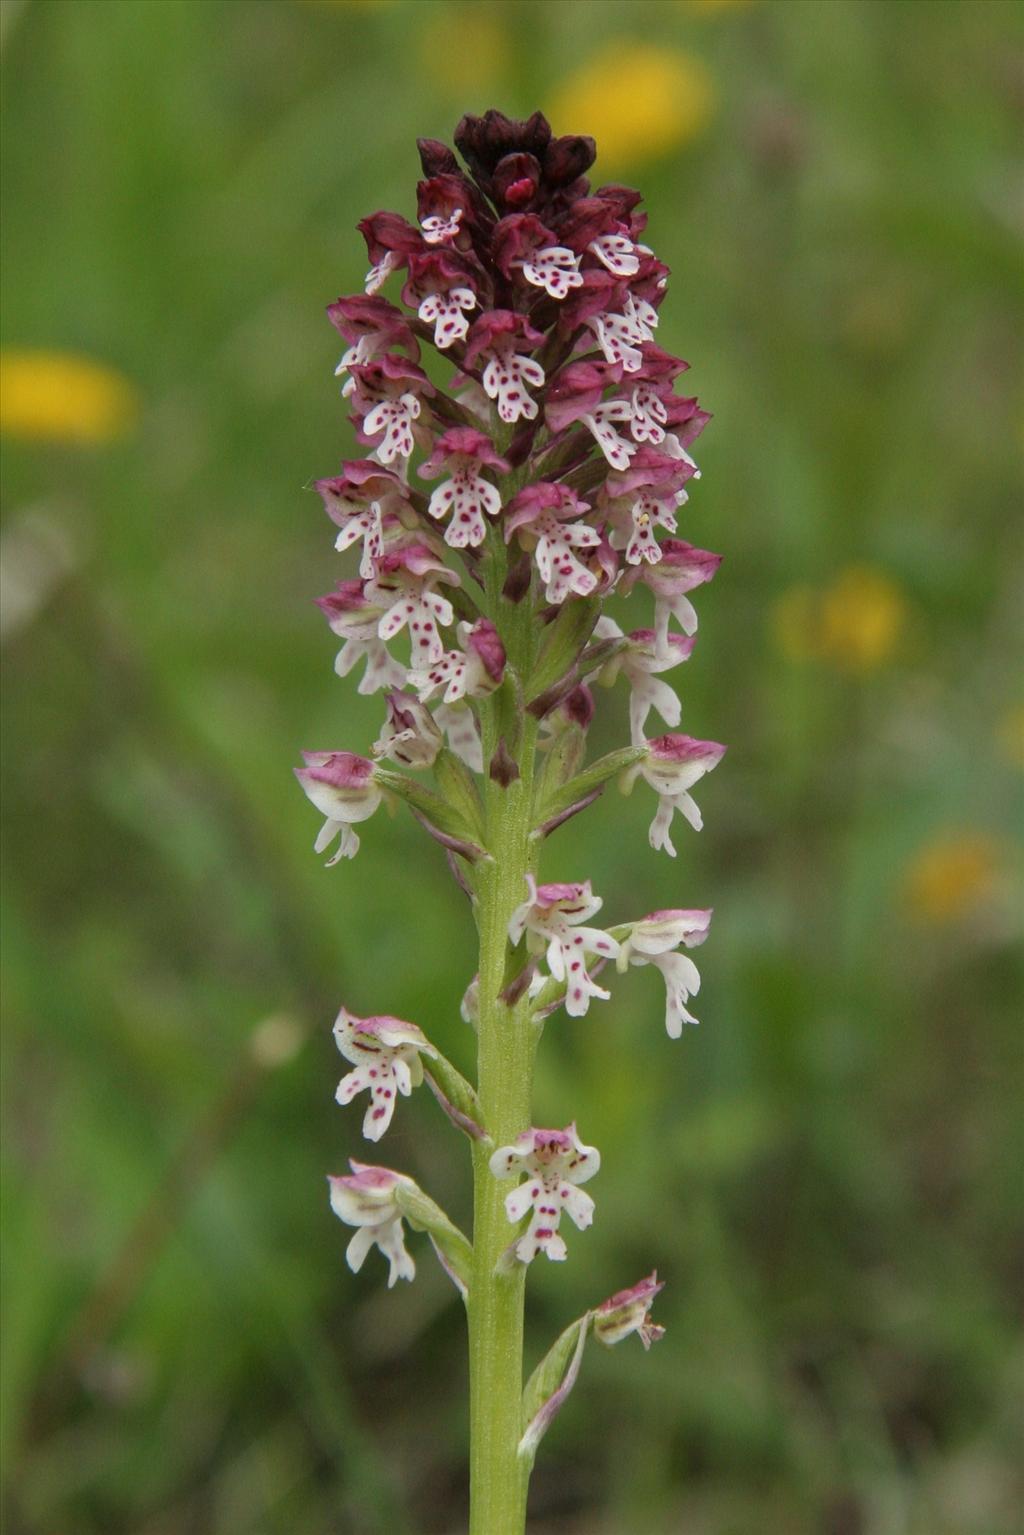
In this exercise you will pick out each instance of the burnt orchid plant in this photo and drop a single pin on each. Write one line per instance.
(559, 453)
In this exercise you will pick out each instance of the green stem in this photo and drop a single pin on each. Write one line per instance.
(507, 1043)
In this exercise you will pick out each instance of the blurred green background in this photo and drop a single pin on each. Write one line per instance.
(826, 1172)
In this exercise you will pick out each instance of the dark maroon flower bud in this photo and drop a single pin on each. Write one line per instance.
(483, 141)
(436, 158)
(516, 180)
(567, 158)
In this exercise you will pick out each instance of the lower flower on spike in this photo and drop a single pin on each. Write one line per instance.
(386, 1054)
(627, 1312)
(365, 1198)
(555, 1161)
(673, 764)
(341, 786)
(651, 941)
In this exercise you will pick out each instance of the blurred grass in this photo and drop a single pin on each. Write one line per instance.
(827, 1171)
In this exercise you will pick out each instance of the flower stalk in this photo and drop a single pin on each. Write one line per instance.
(559, 451)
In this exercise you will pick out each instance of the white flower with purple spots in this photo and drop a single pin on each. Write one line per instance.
(555, 1163)
(555, 269)
(385, 1053)
(653, 941)
(438, 230)
(365, 1198)
(448, 312)
(505, 379)
(466, 499)
(551, 917)
(618, 253)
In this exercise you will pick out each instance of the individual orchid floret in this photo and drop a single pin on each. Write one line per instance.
(371, 326)
(638, 661)
(410, 735)
(405, 584)
(621, 337)
(555, 1162)
(550, 516)
(367, 502)
(618, 253)
(386, 1053)
(342, 787)
(628, 1312)
(498, 339)
(365, 1198)
(466, 497)
(386, 400)
(355, 618)
(440, 286)
(551, 915)
(652, 941)
(576, 395)
(445, 203)
(680, 569)
(473, 671)
(673, 764)
(390, 240)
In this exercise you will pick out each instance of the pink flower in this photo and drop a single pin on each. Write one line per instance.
(410, 735)
(681, 568)
(355, 617)
(552, 517)
(386, 1054)
(386, 400)
(471, 672)
(365, 500)
(370, 326)
(551, 915)
(498, 339)
(365, 1198)
(405, 583)
(639, 662)
(555, 1162)
(390, 239)
(442, 285)
(466, 496)
(627, 1312)
(652, 940)
(674, 763)
(342, 787)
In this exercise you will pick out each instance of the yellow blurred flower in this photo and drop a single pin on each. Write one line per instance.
(862, 614)
(952, 877)
(795, 625)
(62, 397)
(855, 623)
(463, 49)
(1010, 736)
(637, 100)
